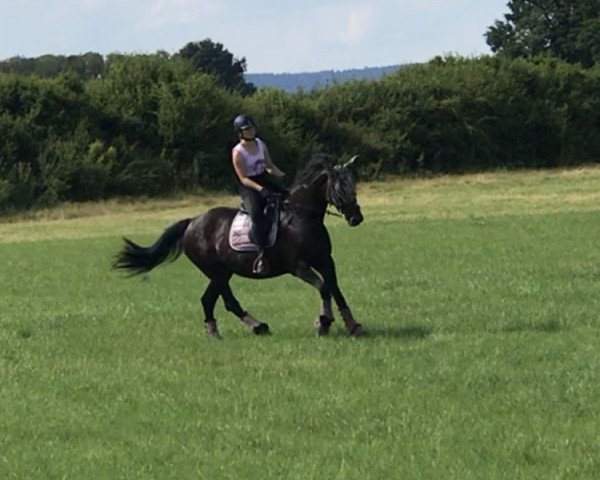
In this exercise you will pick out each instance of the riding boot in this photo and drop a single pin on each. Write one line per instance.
(259, 266)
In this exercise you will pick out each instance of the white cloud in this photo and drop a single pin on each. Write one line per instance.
(358, 24)
(163, 13)
(90, 4)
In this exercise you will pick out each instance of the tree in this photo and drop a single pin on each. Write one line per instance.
(209, 57)
(88, 65)
(566, 29)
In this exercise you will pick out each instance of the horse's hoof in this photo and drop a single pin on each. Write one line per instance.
(211, 330)
(357, 331)
(261, 329)
(323, 325)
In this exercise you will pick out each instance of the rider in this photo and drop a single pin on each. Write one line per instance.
(259, 178)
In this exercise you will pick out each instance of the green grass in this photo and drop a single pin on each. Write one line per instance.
(480, 295)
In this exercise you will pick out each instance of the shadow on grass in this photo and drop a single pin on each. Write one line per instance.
(549, 326)
(411, 332)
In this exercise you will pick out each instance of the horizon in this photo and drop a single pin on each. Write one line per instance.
(326, 70)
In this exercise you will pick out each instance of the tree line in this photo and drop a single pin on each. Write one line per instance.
(155, 124)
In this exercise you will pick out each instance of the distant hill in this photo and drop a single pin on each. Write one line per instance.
(291, 82)
(92, 65)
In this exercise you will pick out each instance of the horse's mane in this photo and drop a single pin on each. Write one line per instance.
(316, 165)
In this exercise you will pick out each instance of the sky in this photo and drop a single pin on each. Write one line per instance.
(274, 36)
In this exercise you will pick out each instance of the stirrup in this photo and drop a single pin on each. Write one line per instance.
(260, 265)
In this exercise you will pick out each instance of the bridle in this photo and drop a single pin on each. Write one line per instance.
(340, 187)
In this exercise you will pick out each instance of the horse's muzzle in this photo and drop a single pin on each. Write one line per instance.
(355, 218)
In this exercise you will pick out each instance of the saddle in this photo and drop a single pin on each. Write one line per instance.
(239, 233)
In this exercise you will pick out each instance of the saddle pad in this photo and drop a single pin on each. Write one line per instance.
(239, 234)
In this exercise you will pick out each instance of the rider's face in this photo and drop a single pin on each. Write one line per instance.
(249, 132)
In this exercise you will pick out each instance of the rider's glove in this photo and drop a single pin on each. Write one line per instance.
(265, 193)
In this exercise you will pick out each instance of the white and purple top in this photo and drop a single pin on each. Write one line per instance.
(254, 164)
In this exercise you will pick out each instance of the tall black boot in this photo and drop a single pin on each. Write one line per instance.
(260, 264)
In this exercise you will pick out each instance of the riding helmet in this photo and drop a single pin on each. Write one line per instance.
(242, 122)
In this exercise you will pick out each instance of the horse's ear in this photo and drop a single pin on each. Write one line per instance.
(350, 162)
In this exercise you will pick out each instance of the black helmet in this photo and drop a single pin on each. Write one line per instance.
(242, 122)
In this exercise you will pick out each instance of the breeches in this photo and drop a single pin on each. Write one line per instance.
(254, 205)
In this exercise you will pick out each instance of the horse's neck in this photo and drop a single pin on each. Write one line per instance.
(308, 201)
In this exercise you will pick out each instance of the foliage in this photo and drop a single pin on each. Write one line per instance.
(561, 28)
(212, 58)
(86, 66)
(152, 125)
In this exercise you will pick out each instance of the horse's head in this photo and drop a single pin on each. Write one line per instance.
(321, 182)
(341, 192)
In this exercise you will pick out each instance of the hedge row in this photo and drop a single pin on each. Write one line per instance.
(151, 126)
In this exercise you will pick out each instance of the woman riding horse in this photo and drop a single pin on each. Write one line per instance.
(303, 246)
(258, 177)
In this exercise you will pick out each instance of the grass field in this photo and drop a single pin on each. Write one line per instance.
(480, 294)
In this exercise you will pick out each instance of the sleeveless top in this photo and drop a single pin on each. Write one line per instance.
(253, 164)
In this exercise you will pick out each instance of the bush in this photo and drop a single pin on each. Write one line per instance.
(151, 126)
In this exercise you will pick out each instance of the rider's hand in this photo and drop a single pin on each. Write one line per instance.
(265, 193)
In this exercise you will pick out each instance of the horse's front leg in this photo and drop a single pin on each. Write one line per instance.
(325, 319)
(330, 286)
(232, 305)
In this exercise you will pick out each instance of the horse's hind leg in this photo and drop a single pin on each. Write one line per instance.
(308, 275)
(209, 299)
(232, 305)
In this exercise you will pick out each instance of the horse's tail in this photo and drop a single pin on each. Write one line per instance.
(137, 260)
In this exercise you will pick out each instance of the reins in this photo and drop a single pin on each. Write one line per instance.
(298, 206)
(335, 214)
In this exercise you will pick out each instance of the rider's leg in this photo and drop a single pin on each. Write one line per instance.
(254, 204)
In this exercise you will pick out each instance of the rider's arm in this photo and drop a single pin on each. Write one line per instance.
(240, 170)
(271, 167)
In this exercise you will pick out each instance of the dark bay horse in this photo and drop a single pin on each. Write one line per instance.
(302, 248)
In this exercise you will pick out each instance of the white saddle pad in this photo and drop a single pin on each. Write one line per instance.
(239, 234)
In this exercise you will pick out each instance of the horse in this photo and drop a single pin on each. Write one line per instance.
(302, 247)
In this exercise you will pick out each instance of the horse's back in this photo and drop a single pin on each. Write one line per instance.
(209, 223)
(207, 231)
